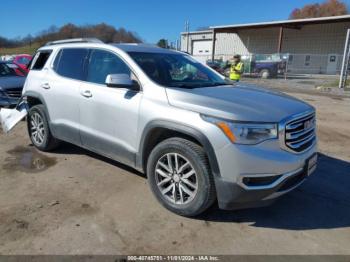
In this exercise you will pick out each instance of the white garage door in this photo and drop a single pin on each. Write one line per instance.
(202, 50)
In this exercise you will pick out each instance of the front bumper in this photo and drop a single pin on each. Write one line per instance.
(233, 196)
(285, 171)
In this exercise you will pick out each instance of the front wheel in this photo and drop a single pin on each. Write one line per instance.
(179, 176)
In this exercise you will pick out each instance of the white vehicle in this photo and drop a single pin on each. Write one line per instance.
(198, 138)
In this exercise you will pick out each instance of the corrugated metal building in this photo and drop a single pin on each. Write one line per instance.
(314, 45)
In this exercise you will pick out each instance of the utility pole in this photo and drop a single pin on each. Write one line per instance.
(346, 60)
(187, 29)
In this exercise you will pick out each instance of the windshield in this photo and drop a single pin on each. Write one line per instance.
(5, 70)
(176, 70)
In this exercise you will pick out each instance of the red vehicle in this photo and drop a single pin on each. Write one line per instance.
(18, 70)
(22, 61)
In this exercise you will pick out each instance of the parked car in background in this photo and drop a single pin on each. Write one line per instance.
(19, 71)
(22, 61)
(7, 57)
(220, 66)
(11, 85)
(264, 66)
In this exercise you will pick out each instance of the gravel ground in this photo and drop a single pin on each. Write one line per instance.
(322, 85)
(75, 202)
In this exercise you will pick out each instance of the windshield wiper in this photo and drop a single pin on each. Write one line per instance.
(189, 86)
(211, 84)
(220, 84)
(183, 86)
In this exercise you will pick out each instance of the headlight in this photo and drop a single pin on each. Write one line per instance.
(244, 133)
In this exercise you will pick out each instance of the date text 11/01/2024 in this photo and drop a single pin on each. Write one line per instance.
(173, 258)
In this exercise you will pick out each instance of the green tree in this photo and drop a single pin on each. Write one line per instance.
(163, 43)
(104, 32)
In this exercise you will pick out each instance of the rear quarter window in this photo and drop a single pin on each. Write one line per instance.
(69, 62)
(40, 59)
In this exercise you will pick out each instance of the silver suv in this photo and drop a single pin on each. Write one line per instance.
(199, 138)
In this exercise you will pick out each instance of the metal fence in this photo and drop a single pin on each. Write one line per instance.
(314, 64)
(290, 63)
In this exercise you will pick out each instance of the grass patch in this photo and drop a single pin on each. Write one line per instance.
(306, 82)
(335, 83)
(20, 50)
(332, 84)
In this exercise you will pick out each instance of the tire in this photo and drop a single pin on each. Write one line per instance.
(37, 120)
(265, 73)
(183, 203)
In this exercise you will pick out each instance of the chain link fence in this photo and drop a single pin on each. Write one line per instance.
(274, 65)
(305, 71)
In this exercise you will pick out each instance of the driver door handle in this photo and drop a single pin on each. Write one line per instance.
(45, 86)
(86, 93)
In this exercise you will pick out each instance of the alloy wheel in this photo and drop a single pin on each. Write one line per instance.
(37, 128)
(176, 178)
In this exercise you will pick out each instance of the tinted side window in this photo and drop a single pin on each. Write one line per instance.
(70, 63)
(40, 60)
(103, 63)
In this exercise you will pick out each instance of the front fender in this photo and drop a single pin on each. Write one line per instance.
(181, 128)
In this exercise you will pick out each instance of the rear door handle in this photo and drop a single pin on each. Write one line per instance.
(45, 86)
(86, 93)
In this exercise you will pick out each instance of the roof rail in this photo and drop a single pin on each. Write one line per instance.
(136, 44)
(74, 40)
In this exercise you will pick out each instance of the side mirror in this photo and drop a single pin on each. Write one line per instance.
(121, 81)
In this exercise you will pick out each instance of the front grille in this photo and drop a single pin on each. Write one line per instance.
(300, 133)
(13, 92)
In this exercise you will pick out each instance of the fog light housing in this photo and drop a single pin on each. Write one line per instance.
(257, 181)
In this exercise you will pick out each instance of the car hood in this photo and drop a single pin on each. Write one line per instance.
(12, 82)
(238, 102)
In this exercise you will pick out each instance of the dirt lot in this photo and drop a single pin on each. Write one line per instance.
(75, 202)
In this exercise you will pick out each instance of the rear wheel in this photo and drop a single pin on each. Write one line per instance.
(265, 73)
(38, 129)
(179, 176)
